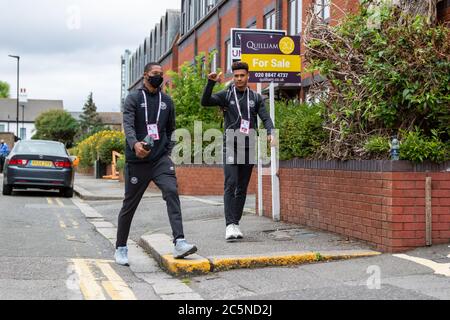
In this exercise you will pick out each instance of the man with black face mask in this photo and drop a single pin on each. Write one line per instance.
(149, 115)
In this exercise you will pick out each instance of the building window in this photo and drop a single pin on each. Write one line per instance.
(23, 133)
(228, 54)
(162, 41)
(183, 23)
(213, 62)
(166, 34)
(210, 5)
(270, 21)
(2, 127)
(295, 17)
(322, 9)
(191, 14)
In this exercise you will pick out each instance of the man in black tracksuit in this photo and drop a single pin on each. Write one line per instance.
(150, 112)
(241, 106)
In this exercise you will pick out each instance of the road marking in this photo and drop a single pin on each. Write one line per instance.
(74, 223)
(60, 203)
(88, 285)
(50, 201)
(61, 222)
(115, 287)
(439, 268)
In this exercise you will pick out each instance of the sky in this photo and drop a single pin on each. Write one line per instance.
(69, 48)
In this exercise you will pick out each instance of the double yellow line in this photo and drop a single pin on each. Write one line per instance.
(93, 287)
(58, 202)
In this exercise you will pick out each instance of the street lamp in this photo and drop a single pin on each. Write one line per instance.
(17, 117)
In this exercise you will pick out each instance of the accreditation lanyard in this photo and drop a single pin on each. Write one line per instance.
(245, 124)
(152, 128)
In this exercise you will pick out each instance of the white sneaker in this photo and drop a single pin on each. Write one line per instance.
(230, 233)
(237, 232)
(121, 256)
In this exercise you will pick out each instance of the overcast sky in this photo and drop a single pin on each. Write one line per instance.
(71, 47)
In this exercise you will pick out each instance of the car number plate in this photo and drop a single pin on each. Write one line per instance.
(46, 164)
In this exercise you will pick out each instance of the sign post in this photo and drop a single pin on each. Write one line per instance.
(271, 59)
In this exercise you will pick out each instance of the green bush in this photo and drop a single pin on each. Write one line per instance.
(417, 147)
(187, 91)
(120, 164)
(301, 129)
(100, 146)
(378, 147)
(56, 125)
(108, 144)
(383, 79)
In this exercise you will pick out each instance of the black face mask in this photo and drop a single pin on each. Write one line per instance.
(155, 81)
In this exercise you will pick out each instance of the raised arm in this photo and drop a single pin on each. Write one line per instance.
(209, 99)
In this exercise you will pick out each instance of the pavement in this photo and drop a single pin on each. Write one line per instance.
(266, 243)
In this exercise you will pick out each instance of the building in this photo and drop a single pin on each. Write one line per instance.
(159, 45)
(112, 120)
(124, 76)
(27, 115)
(204, 25)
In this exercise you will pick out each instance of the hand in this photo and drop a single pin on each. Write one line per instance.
(273, 141)
(214, 76)
(141, 153)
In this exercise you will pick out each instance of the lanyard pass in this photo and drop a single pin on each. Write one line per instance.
(152, 129)
(245, 124)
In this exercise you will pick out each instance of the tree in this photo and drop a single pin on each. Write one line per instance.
(188, 86)
(4, 89)
(90, 119)
(56, 125)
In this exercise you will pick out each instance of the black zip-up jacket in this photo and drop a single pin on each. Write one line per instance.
(226, 100)
(135, 126)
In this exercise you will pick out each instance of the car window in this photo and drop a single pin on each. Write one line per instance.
(44, 148)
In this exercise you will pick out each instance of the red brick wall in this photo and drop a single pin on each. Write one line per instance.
(185, 53)
(204, 180)
(207, 39)
(387, 210)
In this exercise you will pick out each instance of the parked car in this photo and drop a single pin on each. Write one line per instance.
(39, 164)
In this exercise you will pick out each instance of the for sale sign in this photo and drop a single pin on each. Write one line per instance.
(236, 39)
(272, 58)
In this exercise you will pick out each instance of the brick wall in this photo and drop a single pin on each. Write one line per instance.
(205, 180)
(384, 209)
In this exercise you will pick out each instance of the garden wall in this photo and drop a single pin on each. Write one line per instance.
(379, 202)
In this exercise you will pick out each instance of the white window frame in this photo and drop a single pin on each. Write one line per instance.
(2, 127)
(323, 8)
(295, 16)
(270, 20)
(228, 50)
(191, 14)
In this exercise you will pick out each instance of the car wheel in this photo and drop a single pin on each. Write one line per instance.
(67, 193)
(7, 190)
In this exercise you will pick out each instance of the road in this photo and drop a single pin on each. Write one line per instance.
(51, 251)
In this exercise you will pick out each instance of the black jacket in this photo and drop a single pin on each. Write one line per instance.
(136, 128)
(226, 100)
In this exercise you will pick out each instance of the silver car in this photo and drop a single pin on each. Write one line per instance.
(39, 164)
